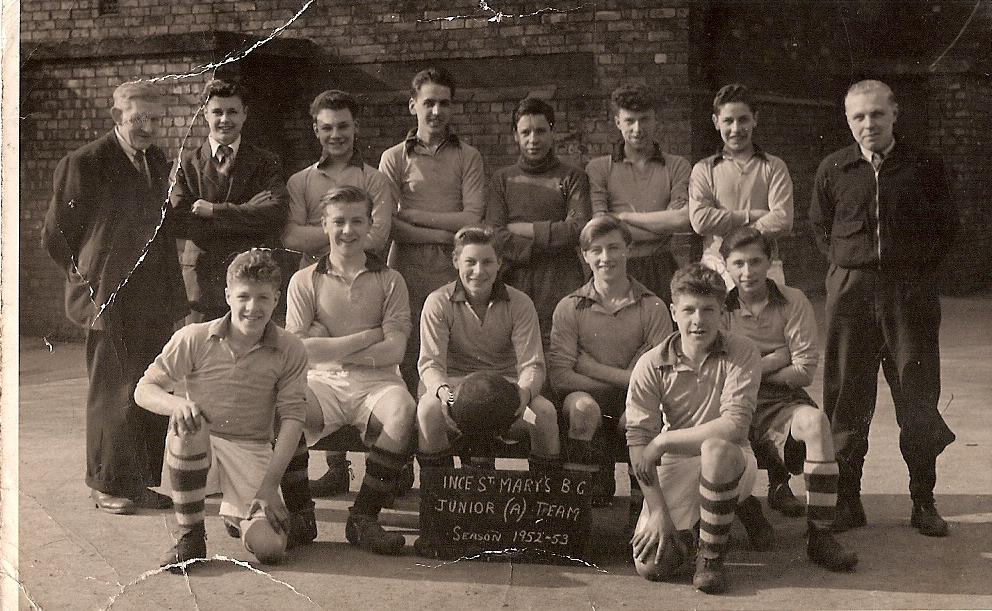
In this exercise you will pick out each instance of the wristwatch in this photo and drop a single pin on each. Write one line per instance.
(451, 395)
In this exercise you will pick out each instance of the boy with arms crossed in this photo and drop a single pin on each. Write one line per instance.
(741, 185)
(232, 195)
(352, 313)
(537, 208)
(788, 430)
(242, 372)
(599, 332)
(441, 189)
(689, 407)
(335, 123)
(644, 187)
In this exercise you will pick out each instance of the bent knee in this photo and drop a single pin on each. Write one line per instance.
(720, 452)
(808, 422)
(396, 406)
(582, 411)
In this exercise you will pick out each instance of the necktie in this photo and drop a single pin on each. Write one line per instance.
(141, 162)
(876, 161)
(224, 155)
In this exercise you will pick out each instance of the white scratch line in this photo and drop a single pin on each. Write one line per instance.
(20, 586)
(232, 57)
(48, 344)
(187, 563)
(958, 37)
(498, 16)
(509, 551)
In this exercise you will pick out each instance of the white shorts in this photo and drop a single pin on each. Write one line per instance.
(679, 478)
(239, 468)
(347, 398)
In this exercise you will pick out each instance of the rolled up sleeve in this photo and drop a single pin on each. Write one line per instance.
(435, 329)
(291, 401)
(739, 396)
(644, 402)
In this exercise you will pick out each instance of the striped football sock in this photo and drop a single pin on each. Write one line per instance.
(295, 484)
(821, 492)
(188, 460)
(716, 514)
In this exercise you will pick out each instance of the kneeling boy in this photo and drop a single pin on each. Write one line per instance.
(353, 314)
(689, 407)
(788, 430)
(242, 372)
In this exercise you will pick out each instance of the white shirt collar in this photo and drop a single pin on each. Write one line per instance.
(867, 154)
(214, 145)
(130, 150)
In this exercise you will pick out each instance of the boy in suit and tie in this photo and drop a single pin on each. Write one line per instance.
(232, 195)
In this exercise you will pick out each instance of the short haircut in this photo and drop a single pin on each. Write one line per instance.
(871, 86)
(476, 234)
(534, 106)
(438, 76)
(734, 92)
(635, 98)
(600, 226)
(742, 237)
(346, 195)
(334, 99)
(698, 280)
(136, 90)
(218, 88)
(255, 265)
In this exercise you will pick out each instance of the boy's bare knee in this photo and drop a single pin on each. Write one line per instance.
(720, 459)
(809, 423)
(584, 415)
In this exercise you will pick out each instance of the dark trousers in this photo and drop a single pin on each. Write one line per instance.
(124, 443)
(876, 318)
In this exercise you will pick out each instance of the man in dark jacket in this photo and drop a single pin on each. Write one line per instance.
(233, 196)
(109, 228)
(882, 214)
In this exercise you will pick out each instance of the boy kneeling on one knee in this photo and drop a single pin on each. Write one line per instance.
(242, 372)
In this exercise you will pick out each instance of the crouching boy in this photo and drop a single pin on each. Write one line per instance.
(788, 432)
(689, 407)
(242, 372)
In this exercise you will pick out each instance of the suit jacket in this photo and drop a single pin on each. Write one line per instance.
(113, 235)
(234, 226)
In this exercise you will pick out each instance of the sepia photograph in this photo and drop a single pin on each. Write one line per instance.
(496, 304)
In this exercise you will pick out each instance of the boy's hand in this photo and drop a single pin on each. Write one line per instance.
(269, 502)
(779, 358)
(318, 330)
(583, 363)
(202, 207)
(262, 197)
(658, 533)
(187, 418)
(646, 465)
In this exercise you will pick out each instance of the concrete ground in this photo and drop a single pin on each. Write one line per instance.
(73, 556)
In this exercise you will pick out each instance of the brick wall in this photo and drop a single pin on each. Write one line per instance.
(796, 56)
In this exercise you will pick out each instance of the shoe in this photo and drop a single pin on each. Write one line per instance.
(190, 546)
(710, 576)
(365, 532)
(427, 548)
(335, 481)
(850, 513)
(149, 499)
(302, 529)
(759, 530)
(926, 520)
(233, 530)
(781, 499)
(117, 505)
(823, 549)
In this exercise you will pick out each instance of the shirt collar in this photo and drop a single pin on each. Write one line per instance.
(356, 160)
(775, 296)
(671, 355)
(221, 327)
(499, 292)
(619, 154)
(722, 156)
(411, 141)
(130, 150)
(586, 295)
(866, 154)
(372, 263)
(214, 145)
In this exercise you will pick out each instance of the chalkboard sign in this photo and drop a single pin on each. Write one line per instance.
(499, 514)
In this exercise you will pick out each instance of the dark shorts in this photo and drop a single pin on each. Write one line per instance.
(772, 422)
